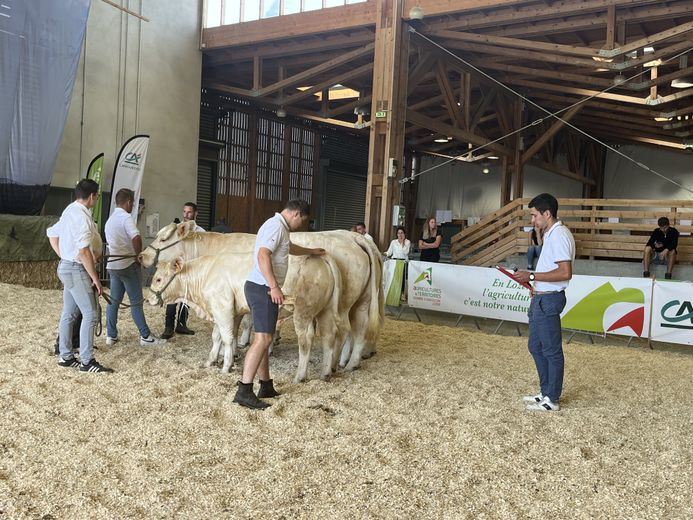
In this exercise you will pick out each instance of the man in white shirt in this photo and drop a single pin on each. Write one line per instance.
(70, 238)
(264, 295)
(551, 277)
(189, 213)
(124, 244)
(362, 230)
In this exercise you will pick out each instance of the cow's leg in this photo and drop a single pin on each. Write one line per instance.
(216, 345)
(305, 332)
(227, 339)
(246, 327)
(359, 324)
(328, 330)
(230, 350)
(342, 342)
(346, 350)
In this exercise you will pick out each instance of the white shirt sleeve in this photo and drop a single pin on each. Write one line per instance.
(82, 234)
(54, 230)
(563, 249)
(390, 250)
(270, 240)
(131, 228)
(407, 246)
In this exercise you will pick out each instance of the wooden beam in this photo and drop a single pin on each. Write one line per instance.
(536, 146)
(514, 43)
(421, 120)
(562, 172)
(481, 109)
(610, 27)
(314, 71)
(448, 94)
(579, 91)
(334, 80)
(649, 40)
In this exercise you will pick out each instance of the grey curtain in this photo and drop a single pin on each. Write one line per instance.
(40, 46)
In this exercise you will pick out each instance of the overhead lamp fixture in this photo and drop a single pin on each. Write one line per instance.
(619, 79)
(662, 119)
(440, 139)
(485, 170)
(416, 12)
(281, 112)
(494, 157)
(683, 82)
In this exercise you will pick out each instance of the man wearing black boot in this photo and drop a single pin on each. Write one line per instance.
(264, 296)
(179, 319)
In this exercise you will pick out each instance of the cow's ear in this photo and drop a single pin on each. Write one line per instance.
(185, 228)
(178, 264)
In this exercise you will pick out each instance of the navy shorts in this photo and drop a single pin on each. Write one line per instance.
(263, 311)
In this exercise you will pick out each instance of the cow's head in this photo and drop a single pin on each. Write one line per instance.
(166, 246)
(165, 285)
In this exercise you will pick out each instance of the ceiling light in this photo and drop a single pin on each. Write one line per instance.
(683, 82)
(485, 170)
(416, 13)
(440, 139)
(662, 119)
(281, 112)
(647, 50)
(619, 79)
(495, 157)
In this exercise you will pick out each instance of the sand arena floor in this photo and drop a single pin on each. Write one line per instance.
(432, 427)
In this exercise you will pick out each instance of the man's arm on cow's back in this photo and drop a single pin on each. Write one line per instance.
(296, 250)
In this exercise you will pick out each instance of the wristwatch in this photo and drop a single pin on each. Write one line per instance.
(531, 277)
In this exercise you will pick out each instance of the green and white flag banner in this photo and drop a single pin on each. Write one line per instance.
(94, 172)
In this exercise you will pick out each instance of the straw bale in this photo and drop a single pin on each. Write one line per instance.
(431, 427)
(38, 274)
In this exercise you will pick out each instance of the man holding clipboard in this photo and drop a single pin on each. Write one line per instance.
(551, 278)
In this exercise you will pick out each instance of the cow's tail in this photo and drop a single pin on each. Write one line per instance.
(376, 306)
(336, 288)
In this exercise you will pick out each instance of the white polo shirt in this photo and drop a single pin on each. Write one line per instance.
(74, 231)
(273, 235)
(120, 229)
(399, 251)
(559, 246)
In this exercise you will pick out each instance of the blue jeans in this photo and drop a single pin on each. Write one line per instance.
(126, 280)
(532, 253)
(78, 296)
(545, 342)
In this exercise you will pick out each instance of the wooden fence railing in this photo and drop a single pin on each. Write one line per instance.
(603, 228)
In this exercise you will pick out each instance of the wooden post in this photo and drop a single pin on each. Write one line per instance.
(518, 166)
(387, 133)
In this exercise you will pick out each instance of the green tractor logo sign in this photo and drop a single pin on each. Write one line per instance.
(588, 313)
(425, 276)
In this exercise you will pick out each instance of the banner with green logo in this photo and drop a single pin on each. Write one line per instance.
(129, 170)
(672, 314)
(94, 173)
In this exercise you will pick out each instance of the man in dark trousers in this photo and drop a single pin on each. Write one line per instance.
(663, 242)
(264, 296)
(554, 271)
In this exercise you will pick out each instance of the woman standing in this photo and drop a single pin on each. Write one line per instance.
(430, 241)
(399, 248)
(535, 239)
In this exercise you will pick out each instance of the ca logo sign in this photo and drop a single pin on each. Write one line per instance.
(676, 312)
(132, 158)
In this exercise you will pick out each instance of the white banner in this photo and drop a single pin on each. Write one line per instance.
(672, 312)
(129, 170)
(593, 303)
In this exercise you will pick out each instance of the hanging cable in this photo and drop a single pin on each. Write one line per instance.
(540, 120)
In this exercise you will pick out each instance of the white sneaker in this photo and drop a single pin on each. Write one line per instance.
(111, 341)
(151, 340)
(533, 398)
(545, 405)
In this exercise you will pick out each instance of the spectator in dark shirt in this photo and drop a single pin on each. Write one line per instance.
(430, 241)
(662, 243)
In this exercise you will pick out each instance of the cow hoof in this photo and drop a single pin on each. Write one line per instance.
(342, 366)
(327, 378)
(368, 356)
(351, 368)
(298, 380)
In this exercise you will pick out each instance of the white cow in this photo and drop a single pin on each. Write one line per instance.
(213, 287)
(359, 262)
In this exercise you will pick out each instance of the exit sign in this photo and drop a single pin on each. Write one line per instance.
(380, 114)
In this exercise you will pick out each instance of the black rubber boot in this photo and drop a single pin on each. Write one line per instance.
(168, 333)
(667, 276)
(267, 389)
(646, 274)
(246, 397)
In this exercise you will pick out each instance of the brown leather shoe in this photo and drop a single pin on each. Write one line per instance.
(182, 329)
